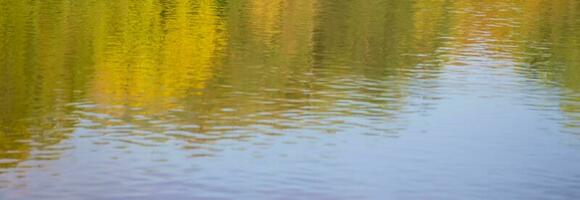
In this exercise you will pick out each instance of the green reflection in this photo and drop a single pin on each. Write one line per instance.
(39, 77)
(552, 49)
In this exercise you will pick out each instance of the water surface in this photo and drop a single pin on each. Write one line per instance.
(290, 99)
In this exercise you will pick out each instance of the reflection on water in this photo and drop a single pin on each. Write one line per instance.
(270, 99)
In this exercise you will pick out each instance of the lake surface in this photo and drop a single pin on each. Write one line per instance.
(289, 99)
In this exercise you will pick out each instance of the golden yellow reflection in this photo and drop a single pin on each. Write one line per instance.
(143, 59)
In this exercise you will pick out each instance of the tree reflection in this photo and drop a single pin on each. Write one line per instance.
(178, 69)
(551, 49)
(38, 78)
(148, 60)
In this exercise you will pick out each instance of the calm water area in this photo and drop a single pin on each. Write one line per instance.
(289, 99)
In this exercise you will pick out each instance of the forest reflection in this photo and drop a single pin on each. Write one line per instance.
(180, 68)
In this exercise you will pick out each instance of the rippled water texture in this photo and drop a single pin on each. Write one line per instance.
(289, 99)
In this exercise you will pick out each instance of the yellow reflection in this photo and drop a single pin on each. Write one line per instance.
(147, 60)
(266, 18)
